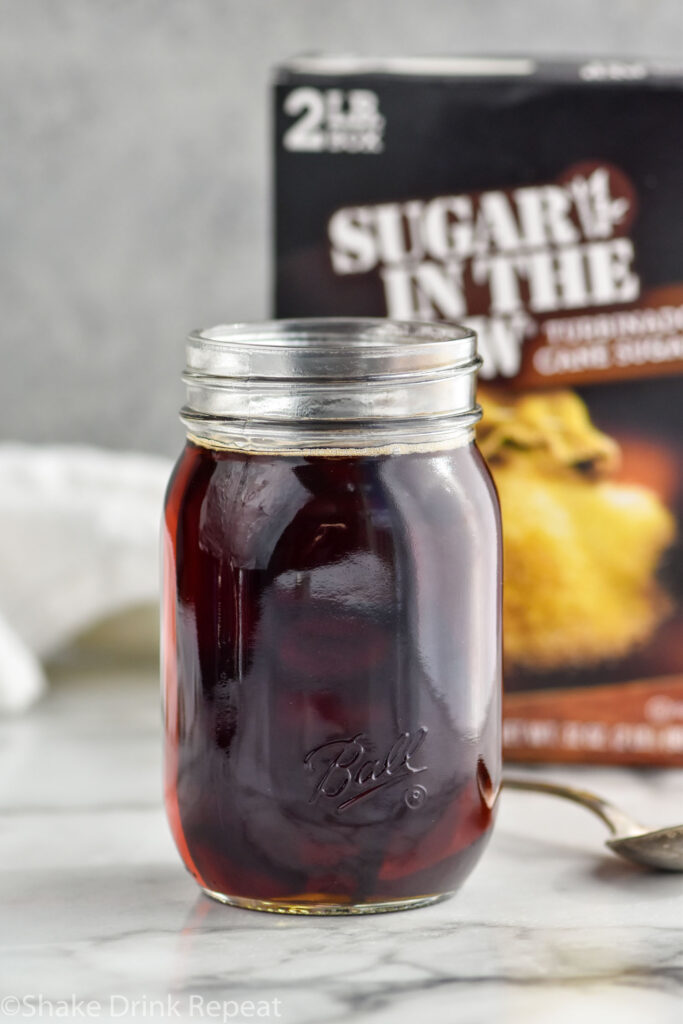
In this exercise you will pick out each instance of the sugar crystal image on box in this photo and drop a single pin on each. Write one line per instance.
(581, 548)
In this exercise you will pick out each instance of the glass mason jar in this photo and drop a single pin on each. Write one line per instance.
(331, 617)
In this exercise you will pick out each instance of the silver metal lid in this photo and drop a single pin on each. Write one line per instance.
(346, 377)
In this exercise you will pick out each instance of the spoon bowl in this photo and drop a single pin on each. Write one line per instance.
(660, 849)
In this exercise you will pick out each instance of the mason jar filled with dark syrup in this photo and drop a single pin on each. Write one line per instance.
(331, 617)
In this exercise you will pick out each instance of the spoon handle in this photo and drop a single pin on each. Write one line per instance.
(617, 822)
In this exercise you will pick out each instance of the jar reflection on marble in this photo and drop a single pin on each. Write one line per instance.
(331, 617)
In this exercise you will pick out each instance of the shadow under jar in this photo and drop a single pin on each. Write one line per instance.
(331, 617)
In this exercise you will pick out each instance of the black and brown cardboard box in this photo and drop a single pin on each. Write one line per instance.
(541, 203)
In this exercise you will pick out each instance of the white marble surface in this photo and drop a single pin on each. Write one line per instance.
(94, 903)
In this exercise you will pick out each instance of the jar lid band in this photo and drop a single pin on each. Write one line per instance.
(335, 383)
(345, 348)
(350, 372)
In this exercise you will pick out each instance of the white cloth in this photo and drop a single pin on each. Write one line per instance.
(79, 532)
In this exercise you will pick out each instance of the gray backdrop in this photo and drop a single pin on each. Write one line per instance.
(134, 165)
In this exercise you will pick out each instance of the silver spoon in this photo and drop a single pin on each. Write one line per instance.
(660, 848)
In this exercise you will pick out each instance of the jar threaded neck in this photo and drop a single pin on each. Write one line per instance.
(343, 384)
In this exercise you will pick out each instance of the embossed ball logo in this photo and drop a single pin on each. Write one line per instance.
(348, 775)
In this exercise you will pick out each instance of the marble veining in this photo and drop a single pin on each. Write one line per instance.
(95, 905)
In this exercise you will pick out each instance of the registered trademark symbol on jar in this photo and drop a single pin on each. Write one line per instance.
(415, 797)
